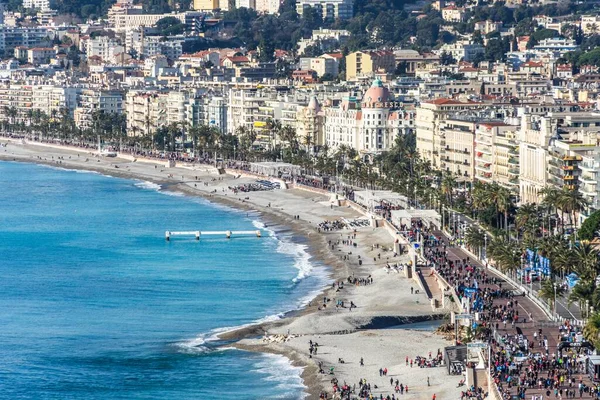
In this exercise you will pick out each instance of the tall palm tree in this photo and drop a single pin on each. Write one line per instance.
(479, 197)
(551, 199)
(500, 197)
(505, 254)
(447, 187)
(549, 292)
(591, 330)
(572, 202)
(527, 220)
(583, 290)
(475, 238)
(586, 262)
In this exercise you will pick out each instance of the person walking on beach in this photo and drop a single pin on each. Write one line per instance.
(362, 363)
(428, 383)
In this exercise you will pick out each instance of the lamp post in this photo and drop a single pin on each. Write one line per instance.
(587, 308)
(485, 245)
(555, 287)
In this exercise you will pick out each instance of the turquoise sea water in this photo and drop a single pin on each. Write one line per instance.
(95, 304)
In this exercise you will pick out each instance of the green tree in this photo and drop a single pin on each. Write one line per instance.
(590, 227)
(550, 291)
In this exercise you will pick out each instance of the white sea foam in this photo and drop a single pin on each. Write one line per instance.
(173, 194)
(78, 171)
(282, 374)
(199, 344)
(260, 225)
(148, 185)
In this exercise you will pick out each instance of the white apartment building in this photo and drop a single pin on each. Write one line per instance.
(103, 47)
(534, 138)
(458, 154)
(131, 18)
(328, 9)
(431, 129)
(156, 45)
(52, 99)
(109, 102)
(243, 108)
(42, 5)
(497, 154)
(18, 96)
(462, 51)
(323, 65)
(326, 39)
(246, 4)
(216, 113)
(11, 37)
(268, 6)
(148, 110)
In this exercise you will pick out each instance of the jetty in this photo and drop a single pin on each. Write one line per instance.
(197, 234)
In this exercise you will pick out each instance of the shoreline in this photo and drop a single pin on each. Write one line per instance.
(318, 248)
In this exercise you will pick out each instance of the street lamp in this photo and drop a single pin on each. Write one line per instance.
(555, 287)
(587, 308)
(485, 246)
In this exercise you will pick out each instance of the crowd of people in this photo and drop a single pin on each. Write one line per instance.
(518, 364)
(330, 226)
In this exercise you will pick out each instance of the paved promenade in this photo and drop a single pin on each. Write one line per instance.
(531, 319)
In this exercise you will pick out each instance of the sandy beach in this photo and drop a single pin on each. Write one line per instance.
(382, 298)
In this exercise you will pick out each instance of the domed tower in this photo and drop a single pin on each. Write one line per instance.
(375, 131)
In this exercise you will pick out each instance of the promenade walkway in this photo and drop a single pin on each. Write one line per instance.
(531, 321)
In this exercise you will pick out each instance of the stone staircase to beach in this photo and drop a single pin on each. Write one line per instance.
(431, 281)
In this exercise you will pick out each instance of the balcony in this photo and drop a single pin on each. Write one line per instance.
(554, 163)
(513, 171)
(480, 140)
(514, 181)
(569, 177)
(512, 160)
(568, 167)
(588, 190)
(484, 167)
(588, 178)
(572, 158)
(587, 166)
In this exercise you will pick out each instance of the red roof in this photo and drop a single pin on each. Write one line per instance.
(335, 55)
(533, 64)
(443, 101)
(492, 124)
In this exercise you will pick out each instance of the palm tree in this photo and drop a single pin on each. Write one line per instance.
(288, 135)
(572, 202)
(479, 198)
(586, 262)
(591, 330)
(581, 293)
(274, 128)
(500, 197)
(448, 186)
(551, 199)
(475, 239)
(505, 254)
(550, 291)
(527, 219)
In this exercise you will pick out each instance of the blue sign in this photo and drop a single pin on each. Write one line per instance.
(538, 263)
